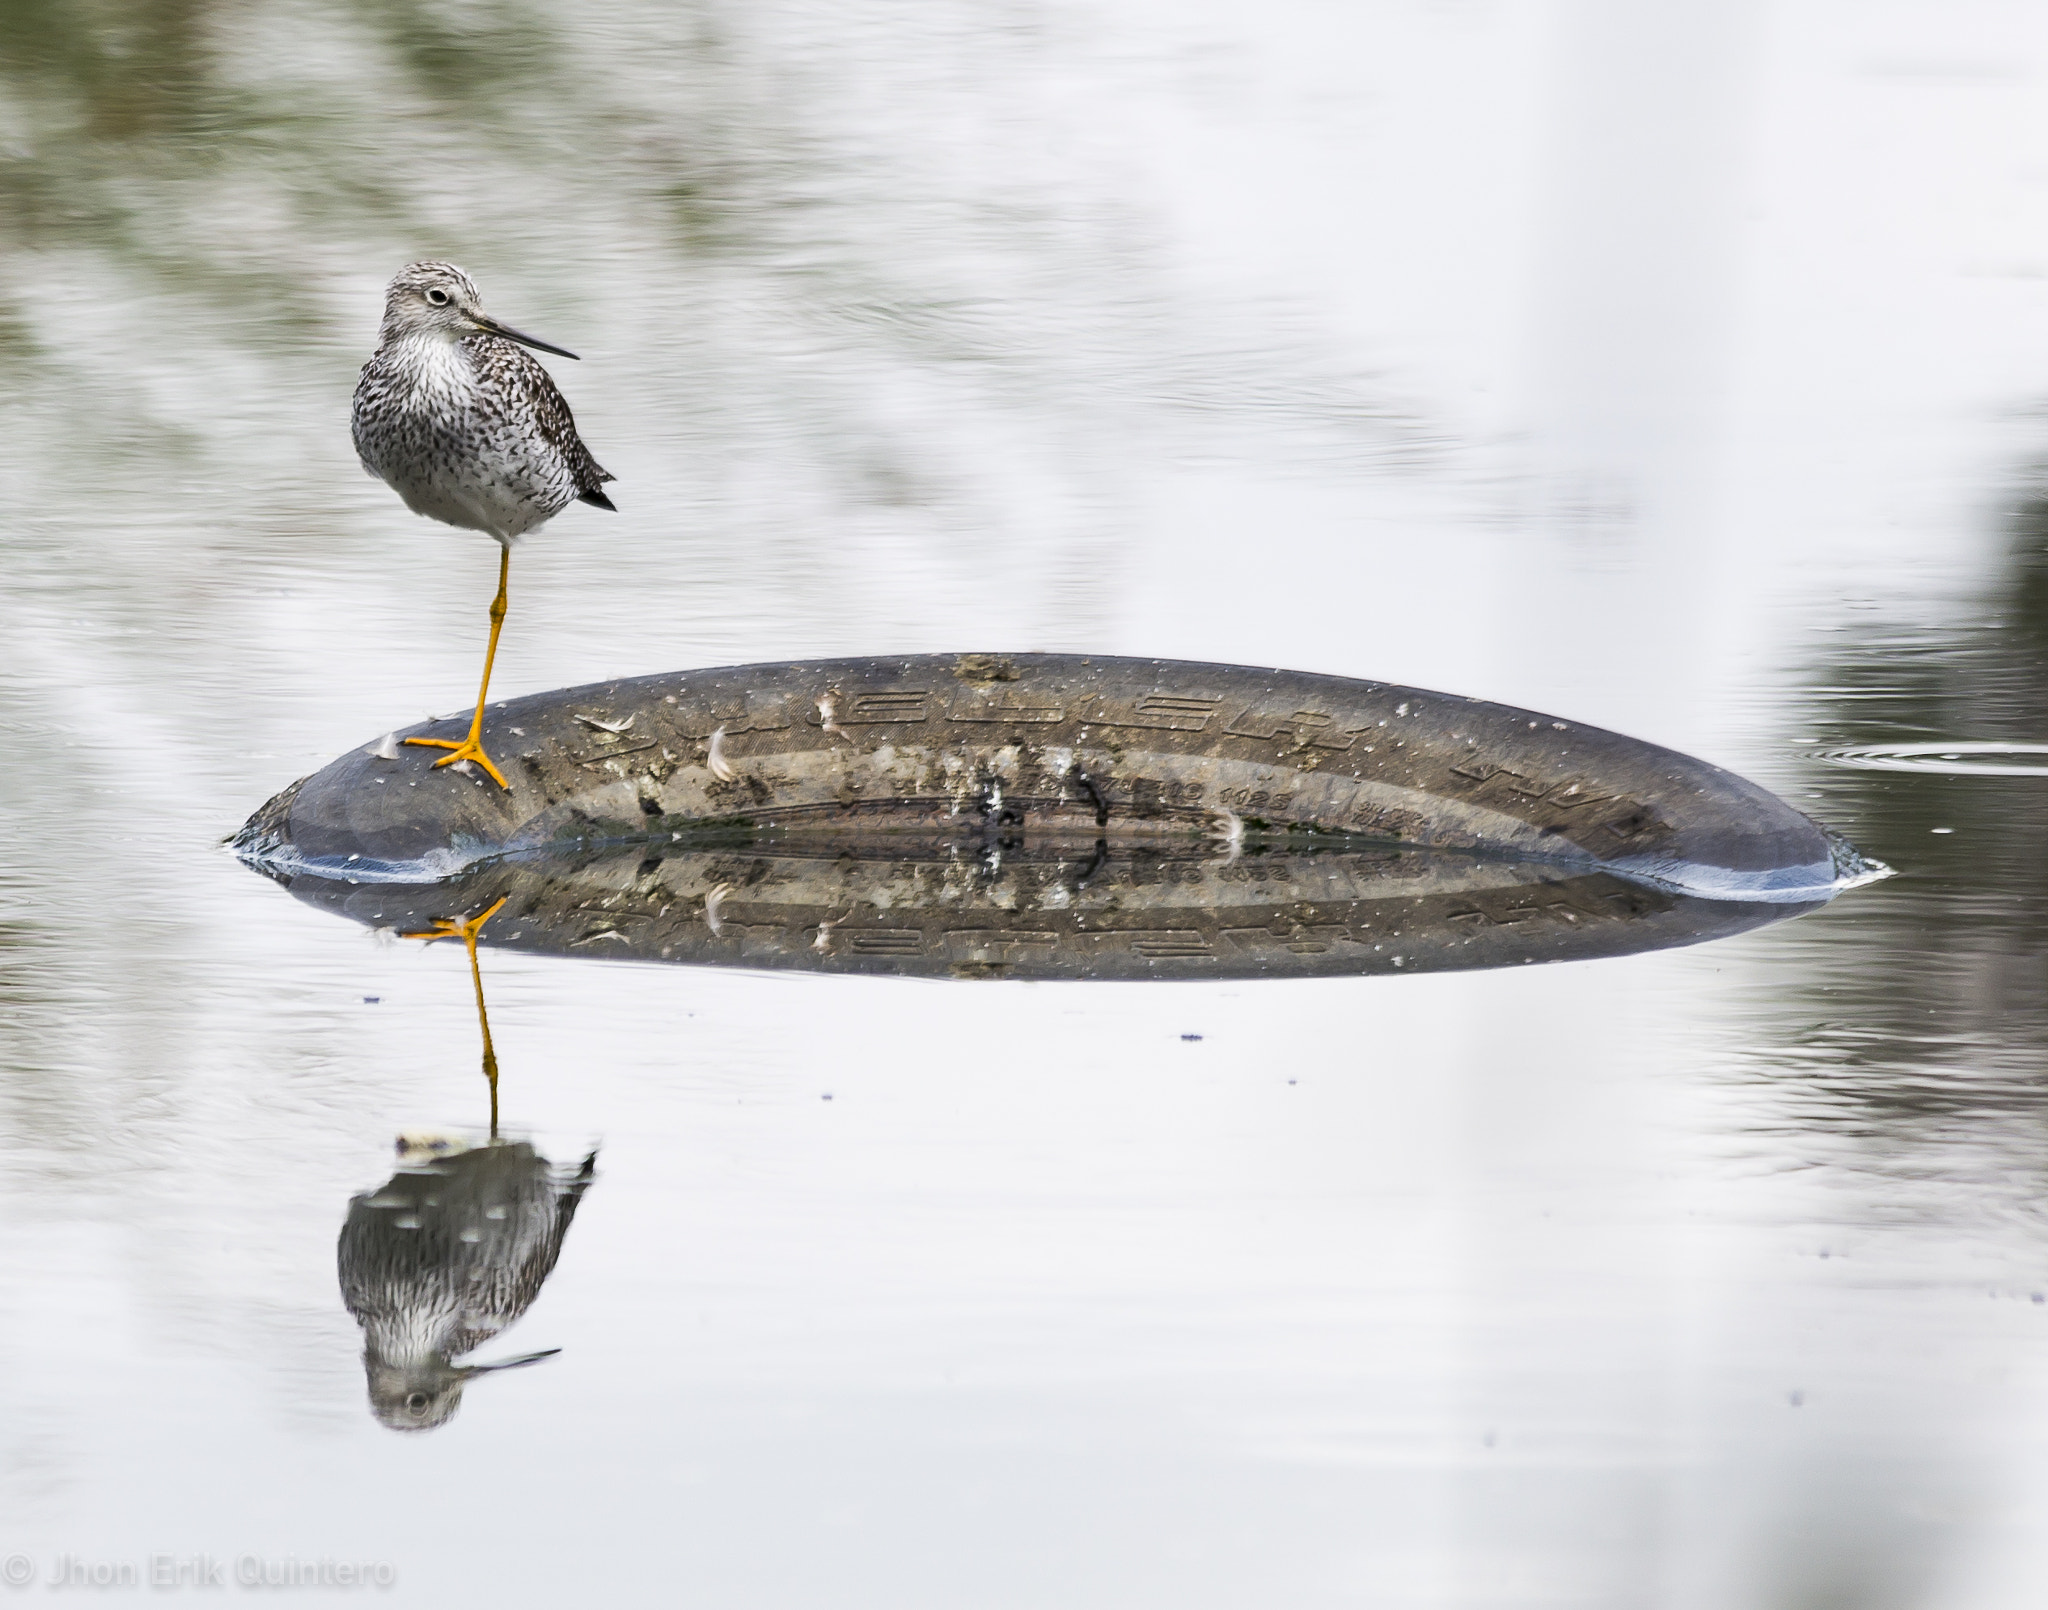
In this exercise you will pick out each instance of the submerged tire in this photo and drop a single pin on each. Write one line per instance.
(1047, 749)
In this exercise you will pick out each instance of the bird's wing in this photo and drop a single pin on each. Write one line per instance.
(556, 424)
(539, 1262)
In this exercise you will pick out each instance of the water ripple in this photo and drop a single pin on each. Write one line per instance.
(1947, 759)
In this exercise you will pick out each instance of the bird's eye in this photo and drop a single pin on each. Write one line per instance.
(417, 1401)
(438, 297)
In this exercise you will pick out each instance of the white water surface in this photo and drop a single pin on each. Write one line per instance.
(1676, 369)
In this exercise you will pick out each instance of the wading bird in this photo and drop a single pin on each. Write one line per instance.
(468, 429)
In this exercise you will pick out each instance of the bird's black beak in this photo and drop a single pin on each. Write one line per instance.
(485, 322)
(508, 1363)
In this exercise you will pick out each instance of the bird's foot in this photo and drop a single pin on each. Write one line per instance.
(469, 748)
(463, 928)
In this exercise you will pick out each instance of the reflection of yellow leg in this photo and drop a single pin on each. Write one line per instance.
(483, 1019)
(471, 748)
(466, 931)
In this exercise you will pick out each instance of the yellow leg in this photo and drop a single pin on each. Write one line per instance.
(471, 748)
(466, 931)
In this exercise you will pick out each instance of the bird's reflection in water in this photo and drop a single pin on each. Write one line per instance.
(452, 1250)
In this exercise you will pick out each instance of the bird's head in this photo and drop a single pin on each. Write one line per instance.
(438, 299)
(425, 1395)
